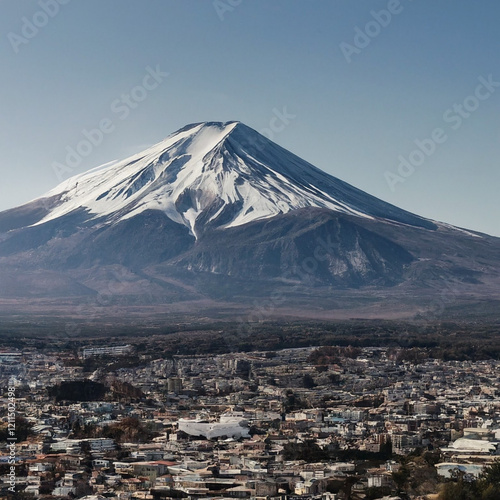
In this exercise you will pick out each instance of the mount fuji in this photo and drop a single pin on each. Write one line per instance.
(213, 175)
(218, 214)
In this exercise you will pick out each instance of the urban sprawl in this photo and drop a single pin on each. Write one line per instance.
(327, 423)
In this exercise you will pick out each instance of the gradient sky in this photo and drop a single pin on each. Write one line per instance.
(247, 60)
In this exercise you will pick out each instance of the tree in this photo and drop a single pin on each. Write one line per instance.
(386, 449)
(308, 381)
(459, 488)
(309, 451)
(459, 491)
(22, 430)
(349, 482)
(87, 452)
(487, 487)
(491, 473)
(489, 481)
(76, 429)
(401, 477)
(491, 493)
(377, 492)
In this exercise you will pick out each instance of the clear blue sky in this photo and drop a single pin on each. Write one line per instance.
(243, 60)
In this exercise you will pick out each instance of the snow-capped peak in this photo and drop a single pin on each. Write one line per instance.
(213, 174)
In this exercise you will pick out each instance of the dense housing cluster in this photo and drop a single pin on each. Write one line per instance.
(328, 422)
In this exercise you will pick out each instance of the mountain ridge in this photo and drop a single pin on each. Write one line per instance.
(217, 211)
(231, 165)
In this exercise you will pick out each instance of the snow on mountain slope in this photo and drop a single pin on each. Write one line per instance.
(214, 175)
(218, 212)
